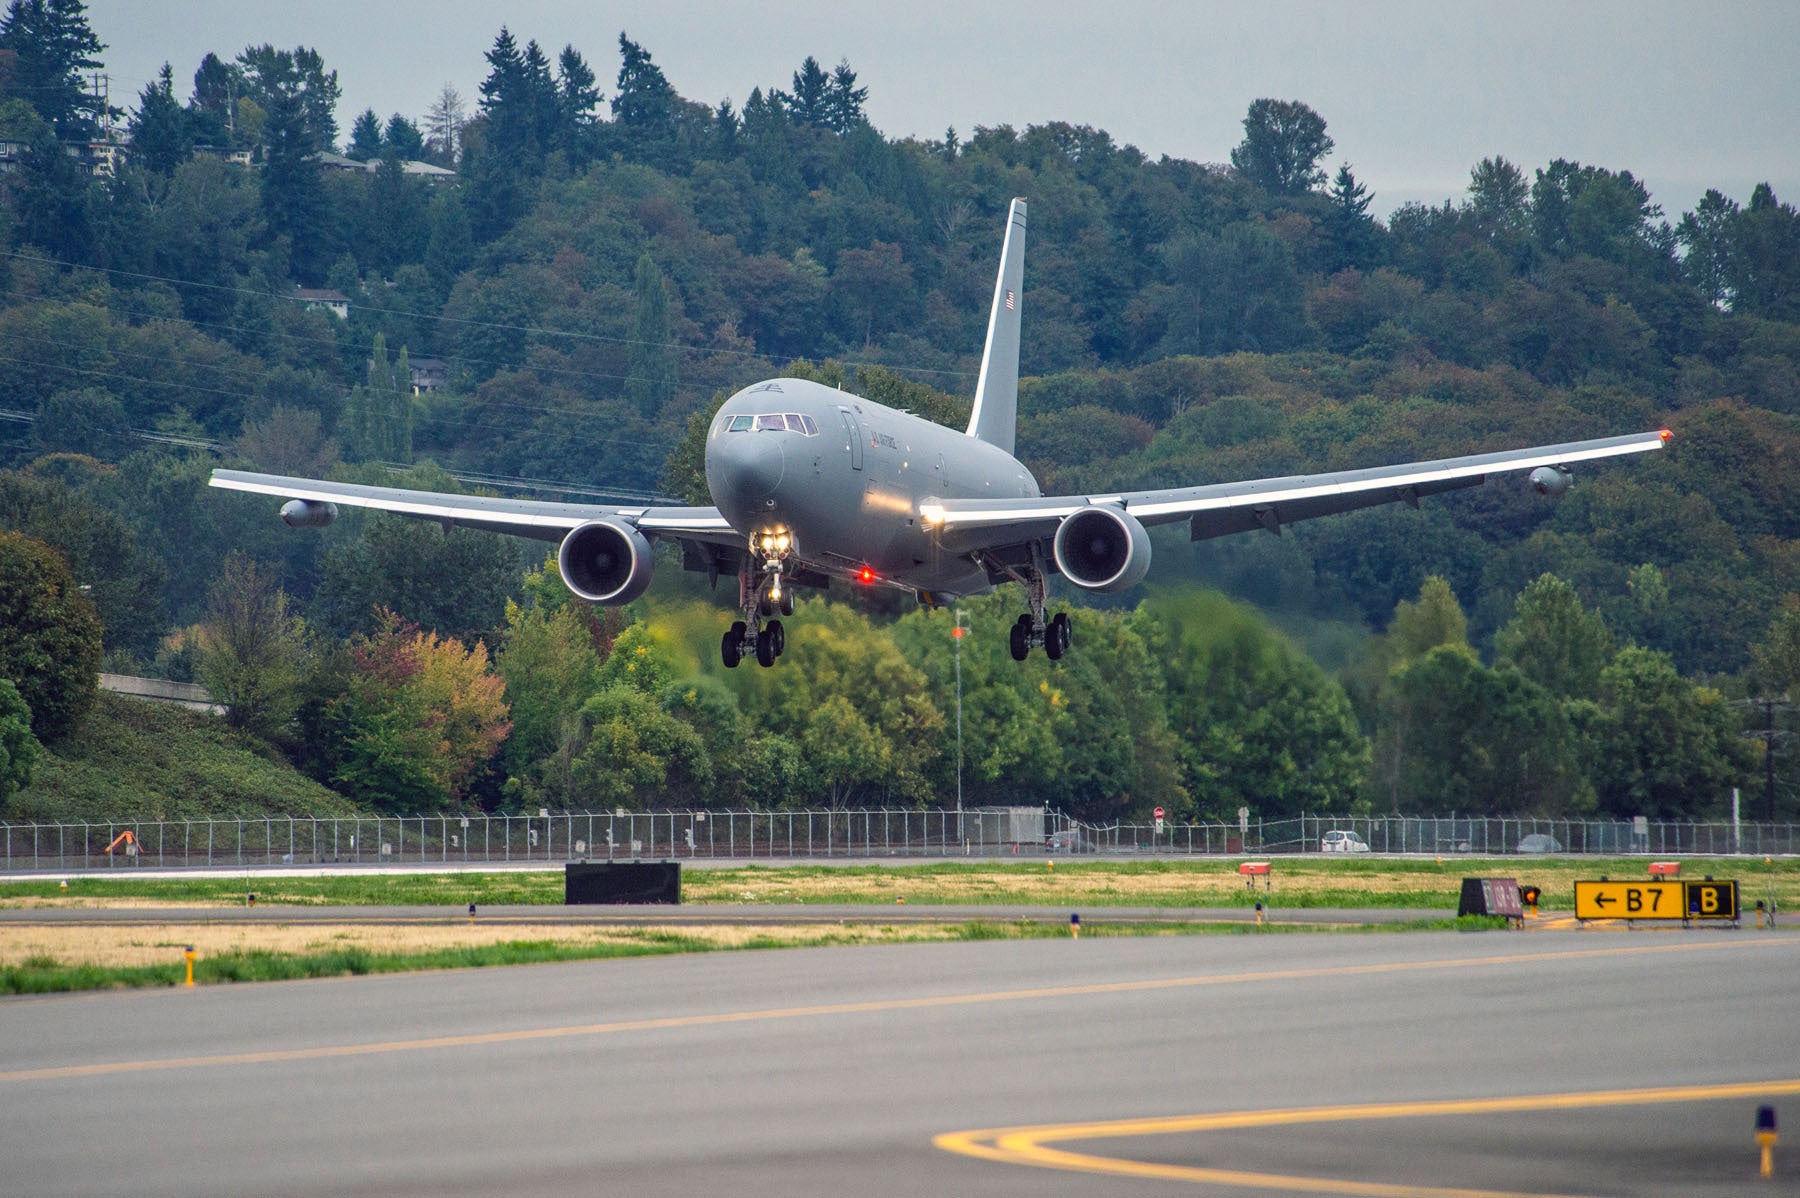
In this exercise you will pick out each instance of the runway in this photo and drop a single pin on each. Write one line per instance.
(1425, 1064)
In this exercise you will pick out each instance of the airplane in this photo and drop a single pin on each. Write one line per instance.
(811, 483)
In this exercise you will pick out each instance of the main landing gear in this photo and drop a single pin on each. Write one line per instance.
(1054, 634)
(760, 596)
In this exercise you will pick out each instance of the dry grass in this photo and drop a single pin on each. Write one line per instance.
(164, 944)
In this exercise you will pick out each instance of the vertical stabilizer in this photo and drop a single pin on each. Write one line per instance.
(997, 390)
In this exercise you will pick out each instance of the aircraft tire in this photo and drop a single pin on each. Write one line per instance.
(787, 603)
(765, 648)
(731, 646)
(1059, 635)
(1019, 641)
(780, 634)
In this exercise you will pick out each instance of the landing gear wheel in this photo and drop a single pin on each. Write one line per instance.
(1019, 640)
(764, 608)
(765, 648)
(731, 647)
(787, 603)
(773, 628)
(1057, 636)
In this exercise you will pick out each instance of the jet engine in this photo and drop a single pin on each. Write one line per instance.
(1551, 480)
(308, 513)
(1102, 549)
(605, 561)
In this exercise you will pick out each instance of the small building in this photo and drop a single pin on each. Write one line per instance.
(324, 300)
(428, 374)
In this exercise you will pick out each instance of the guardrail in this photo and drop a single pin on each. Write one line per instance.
(757, 835)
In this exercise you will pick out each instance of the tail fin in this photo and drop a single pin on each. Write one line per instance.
(997, 390)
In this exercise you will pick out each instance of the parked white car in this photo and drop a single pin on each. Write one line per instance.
(1338, 841)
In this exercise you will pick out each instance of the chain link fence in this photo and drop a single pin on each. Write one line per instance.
(784, 835)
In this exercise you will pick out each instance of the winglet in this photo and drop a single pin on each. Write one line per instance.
(997, 390)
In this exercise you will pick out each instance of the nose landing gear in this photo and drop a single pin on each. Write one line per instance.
(760, 596)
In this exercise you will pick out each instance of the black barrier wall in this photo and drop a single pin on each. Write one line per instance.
(622, 882)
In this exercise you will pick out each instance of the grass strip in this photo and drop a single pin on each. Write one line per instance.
(47, 974)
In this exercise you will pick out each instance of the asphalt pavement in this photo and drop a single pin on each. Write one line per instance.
(1580, 1062)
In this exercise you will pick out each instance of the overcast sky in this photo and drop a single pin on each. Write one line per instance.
(1684, 95)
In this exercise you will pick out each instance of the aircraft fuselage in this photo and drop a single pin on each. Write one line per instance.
(845, 478)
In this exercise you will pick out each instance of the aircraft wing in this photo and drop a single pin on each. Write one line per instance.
(533, 518)
(1269, 503)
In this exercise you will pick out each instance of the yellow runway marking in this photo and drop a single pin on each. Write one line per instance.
(1028, 1145)
(722, 1018)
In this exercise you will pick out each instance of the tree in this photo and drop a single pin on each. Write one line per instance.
(1667, 747)
(1456, 735)
(422, 714)
(1554, 642)
(54, 47)
(365, 137)
(576, 99)
(650, 383)
(1776, 658)
(643, 106)
(444, 125)
(550, 664)
(1259, 723)
(213, 105)
(161, 134)
(49, 636)
(810, 103)
(401, 139)
(252, 648)
(1499, 200)
(298, 79)
(1353, 231)
(19, 749)
(1283, 143)
(844, 103)
(454, 583)
(1434, 619)
(89, 421)
(293, 200)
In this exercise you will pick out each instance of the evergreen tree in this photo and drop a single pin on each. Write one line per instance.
(643, 107)
(293, 199)
(810, 102)
(576, 99)
(293, 79)
(54, 46)
(443, 127)
(402, 139)
(651, 381)
(160, 135)
(844, 104)
(365, 137)
(1353, 231)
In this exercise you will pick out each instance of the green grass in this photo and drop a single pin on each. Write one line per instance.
(46, 975)
(159, 761)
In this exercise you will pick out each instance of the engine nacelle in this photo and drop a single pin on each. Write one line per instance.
(606, 561)
(1102, 549)
(308, 513)
(1551, 480)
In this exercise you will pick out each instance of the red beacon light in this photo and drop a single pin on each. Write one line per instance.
(865, 575)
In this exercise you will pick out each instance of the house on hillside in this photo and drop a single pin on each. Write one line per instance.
(324, 300)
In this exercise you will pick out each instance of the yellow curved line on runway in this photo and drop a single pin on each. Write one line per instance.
(664, 1023)
(1026, 1145)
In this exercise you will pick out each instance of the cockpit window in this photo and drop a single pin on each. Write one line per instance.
(774, 422)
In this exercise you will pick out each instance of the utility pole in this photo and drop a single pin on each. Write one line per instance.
(957, 632)
(1769, 758)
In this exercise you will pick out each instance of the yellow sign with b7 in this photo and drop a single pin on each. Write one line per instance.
(1657, 900)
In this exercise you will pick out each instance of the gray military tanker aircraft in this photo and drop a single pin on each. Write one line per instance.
(812, 483)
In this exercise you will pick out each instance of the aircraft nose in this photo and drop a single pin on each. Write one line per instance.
(744, 469)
